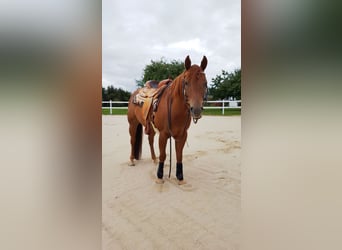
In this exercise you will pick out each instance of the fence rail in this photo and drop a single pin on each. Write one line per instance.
(232, 104)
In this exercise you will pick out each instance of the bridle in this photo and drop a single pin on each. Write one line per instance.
(185, 96)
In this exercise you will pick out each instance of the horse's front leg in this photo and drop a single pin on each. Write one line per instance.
(162, 156)
(151, 142)
(180, 141)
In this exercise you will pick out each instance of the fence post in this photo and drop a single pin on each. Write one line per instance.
(222, 107)
(110, 106)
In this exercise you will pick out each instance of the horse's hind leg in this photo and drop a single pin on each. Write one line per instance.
(151, 142)
(132, 131)
(135, 131)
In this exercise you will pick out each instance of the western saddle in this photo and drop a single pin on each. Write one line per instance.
(148, 98)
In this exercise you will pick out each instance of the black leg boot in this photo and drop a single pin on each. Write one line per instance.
(179, 171)
(160, 172)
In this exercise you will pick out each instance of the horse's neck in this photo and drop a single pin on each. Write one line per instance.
(176, 90)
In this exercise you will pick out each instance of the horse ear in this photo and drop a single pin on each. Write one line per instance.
(204, 63)
(187, 63)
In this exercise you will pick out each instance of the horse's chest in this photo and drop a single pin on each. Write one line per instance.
(175, 122)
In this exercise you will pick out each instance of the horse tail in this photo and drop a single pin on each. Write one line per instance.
(138, 142)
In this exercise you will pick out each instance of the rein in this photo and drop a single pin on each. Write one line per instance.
(169, 127)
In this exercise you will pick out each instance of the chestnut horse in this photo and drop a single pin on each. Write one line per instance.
(180, 101)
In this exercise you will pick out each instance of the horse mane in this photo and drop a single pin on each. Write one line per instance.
(176, 86)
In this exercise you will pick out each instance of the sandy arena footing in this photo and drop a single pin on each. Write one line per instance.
(204, 213)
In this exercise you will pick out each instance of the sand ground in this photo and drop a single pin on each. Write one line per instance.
(137, 213)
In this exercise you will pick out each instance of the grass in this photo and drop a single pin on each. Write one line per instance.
(114, 111)
(227, 112)
(218, 112)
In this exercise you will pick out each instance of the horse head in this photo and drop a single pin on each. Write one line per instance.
(195, 87)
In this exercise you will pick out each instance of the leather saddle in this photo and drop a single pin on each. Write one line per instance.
(148, 96)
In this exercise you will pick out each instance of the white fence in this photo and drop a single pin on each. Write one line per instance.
(225, 104)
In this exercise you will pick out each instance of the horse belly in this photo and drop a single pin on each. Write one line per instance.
(159, 122)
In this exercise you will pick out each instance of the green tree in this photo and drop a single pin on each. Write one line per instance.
(160, 70)
(226, 85)
(115, 94)
(104, 94)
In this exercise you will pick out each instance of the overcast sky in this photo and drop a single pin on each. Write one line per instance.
(135, 32)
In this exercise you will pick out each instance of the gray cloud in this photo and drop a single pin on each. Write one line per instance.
(136, 32)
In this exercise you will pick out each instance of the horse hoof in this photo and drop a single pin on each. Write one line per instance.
(131, 163)
(159, 181)
(182, 182)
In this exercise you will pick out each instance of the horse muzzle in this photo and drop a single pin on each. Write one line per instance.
(196, 113)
